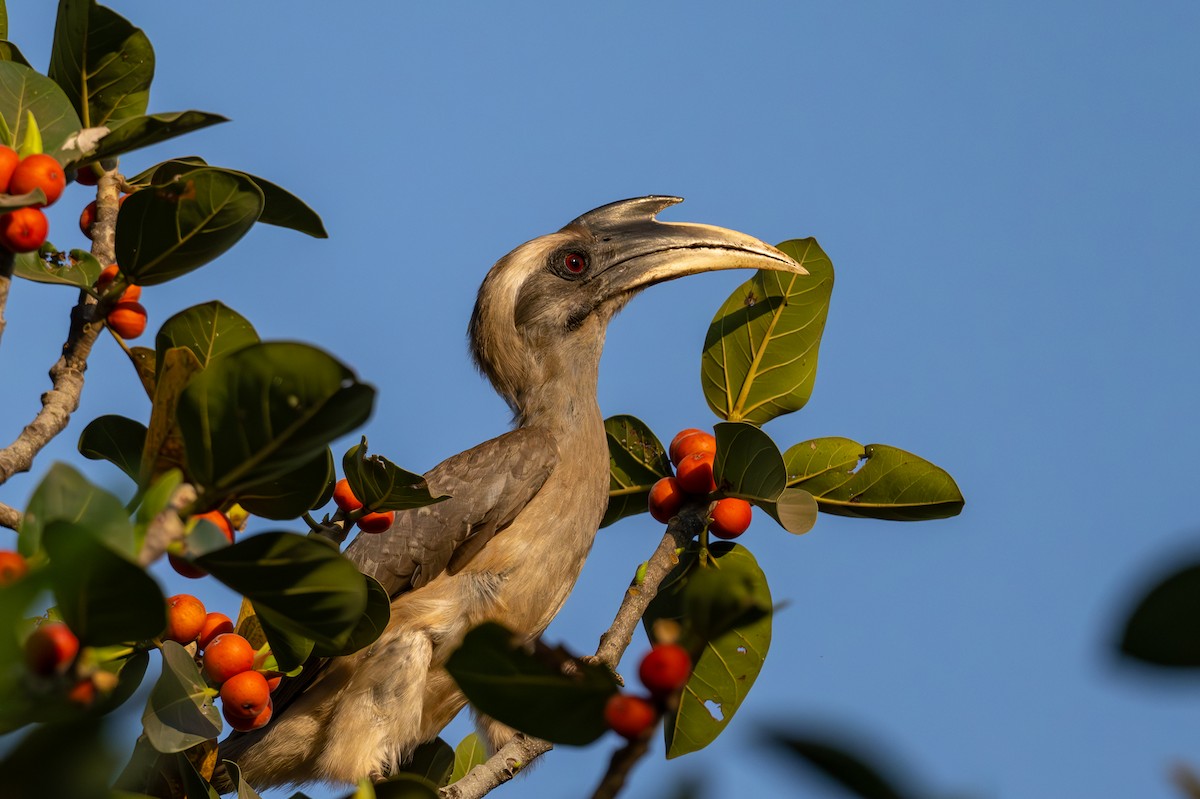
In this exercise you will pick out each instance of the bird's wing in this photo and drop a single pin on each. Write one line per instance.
(488, 485)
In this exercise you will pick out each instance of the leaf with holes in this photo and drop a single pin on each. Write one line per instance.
(873, 482)
(24, 91)
(166, 231)
(115, 439)
(77, 268)
(729, 608)
(382, 485)
(209, 330)
(102, 62)
(1164, 628)
(760, 355)
(180, 712)
(636, 461)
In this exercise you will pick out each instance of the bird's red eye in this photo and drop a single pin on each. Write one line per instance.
(575, 263)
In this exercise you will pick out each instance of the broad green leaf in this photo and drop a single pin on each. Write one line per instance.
(874, 482)
(78, 268)
(382, 485)
(370, 625)
(103, 597)
(23, 90)
(209, 330)
(289, 649)
(733, 601)
(143, 131)
(405, 786)
(760, 355)
(469, 753)
(69, 760)
(244, 790)
(167, 231)
(528, 692)
(163, 448)
(260, 412)
(636, 461)
(281, 208)
(306, 586)
(66, 495)
(795, 510)
(837, 763)
(116, 439)
(103, 63)
(179, 713)
(158, 496)
(432, 760)
(10, 52)
(1164, 628)
(289, 496)
(748, 464)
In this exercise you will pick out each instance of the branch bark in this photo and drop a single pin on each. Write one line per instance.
(66, 375)
(522, 750)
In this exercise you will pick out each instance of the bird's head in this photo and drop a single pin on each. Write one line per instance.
(543, 309)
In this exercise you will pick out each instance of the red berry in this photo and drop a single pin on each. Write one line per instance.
(666, 498)
(50, 648)
(23, 230)
(12, 567)
(38, 171)
(376, 522)
(127, 319)
(82, 693)
(695, 473)
(730, 517)
(665, 669)
(88, 174)
(87, 218)
(629, 716)
(185, 619)
(245, 695)
(214, 624)
(8, 162)
(227, 655)
(343, 495)
(691, 441)
(246, 725)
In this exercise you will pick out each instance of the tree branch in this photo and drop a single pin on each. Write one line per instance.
(9, 517)
(7, 261)
(66, 375)
(522, 750)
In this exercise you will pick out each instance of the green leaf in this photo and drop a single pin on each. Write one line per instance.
(528, 692)
(432, 760)
(65, 494)
(23, 90)
(289, 649)
(370, 625)
(260, 412)
(469, 753)
(636, 461)
(164, 442)
(244, 791)
(180, 712)
(382, 485)
(405, 786)
(874, 482)
(760, 355)
(142, 131)
(10, 52)
(103, 63)
(306, 586)
(1164, 628)
(36, 198)
(837, 763)
(209, 330)
(31, 142)
(794, 511)
(59, 760)
(289, 496)
(78, 268)
(104, 598)
(166, 231)
(115, 439)
(727, 605)
(748, 464)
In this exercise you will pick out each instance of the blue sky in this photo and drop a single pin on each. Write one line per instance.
(1009, 195)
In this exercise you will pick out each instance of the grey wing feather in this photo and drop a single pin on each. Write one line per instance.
(488, 485)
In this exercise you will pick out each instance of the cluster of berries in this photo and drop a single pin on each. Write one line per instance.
(692, 452)
(128, 316)
(229, 661)
(374, 522)
(663, 671)
(25, 229)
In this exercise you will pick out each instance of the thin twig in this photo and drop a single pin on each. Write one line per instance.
(66, 375)
(7, 261)
(9, 517)
(522, 750)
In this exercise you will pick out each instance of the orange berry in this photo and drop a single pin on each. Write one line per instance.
(127, 319)
(23, 230)
(82, 693)
(244, 725)
(214, 624)
(8, 162)
(666, 498)
(38, 171)
(690, 441)
(87, 218)
(273, 682)
(12, 567)
(376, 522)
(50, 648)
(245, 695)
(730, 517)
(344, 497)
(695, 473)
(227, 655)
(629, 716)
(220, 520)
(185, 619)
(665, 669)
(130, 294)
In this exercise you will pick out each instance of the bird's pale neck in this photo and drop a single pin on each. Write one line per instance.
(559, 393)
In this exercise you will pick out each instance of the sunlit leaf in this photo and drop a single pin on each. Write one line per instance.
(115, 439)
(209, 330)
(244, 790)
(65, 494)
(760, 354)
(748, 464)
(10, 52)
(143, 131)
(179, 713)
(163, 448)
(382, 485)
(528, 692)
(636, 461)
(469, 753)
(875, 481)
(103, 63)
(23, 90)
(1164, 628)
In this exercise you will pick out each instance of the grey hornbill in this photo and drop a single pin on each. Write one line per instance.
(524, 508)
